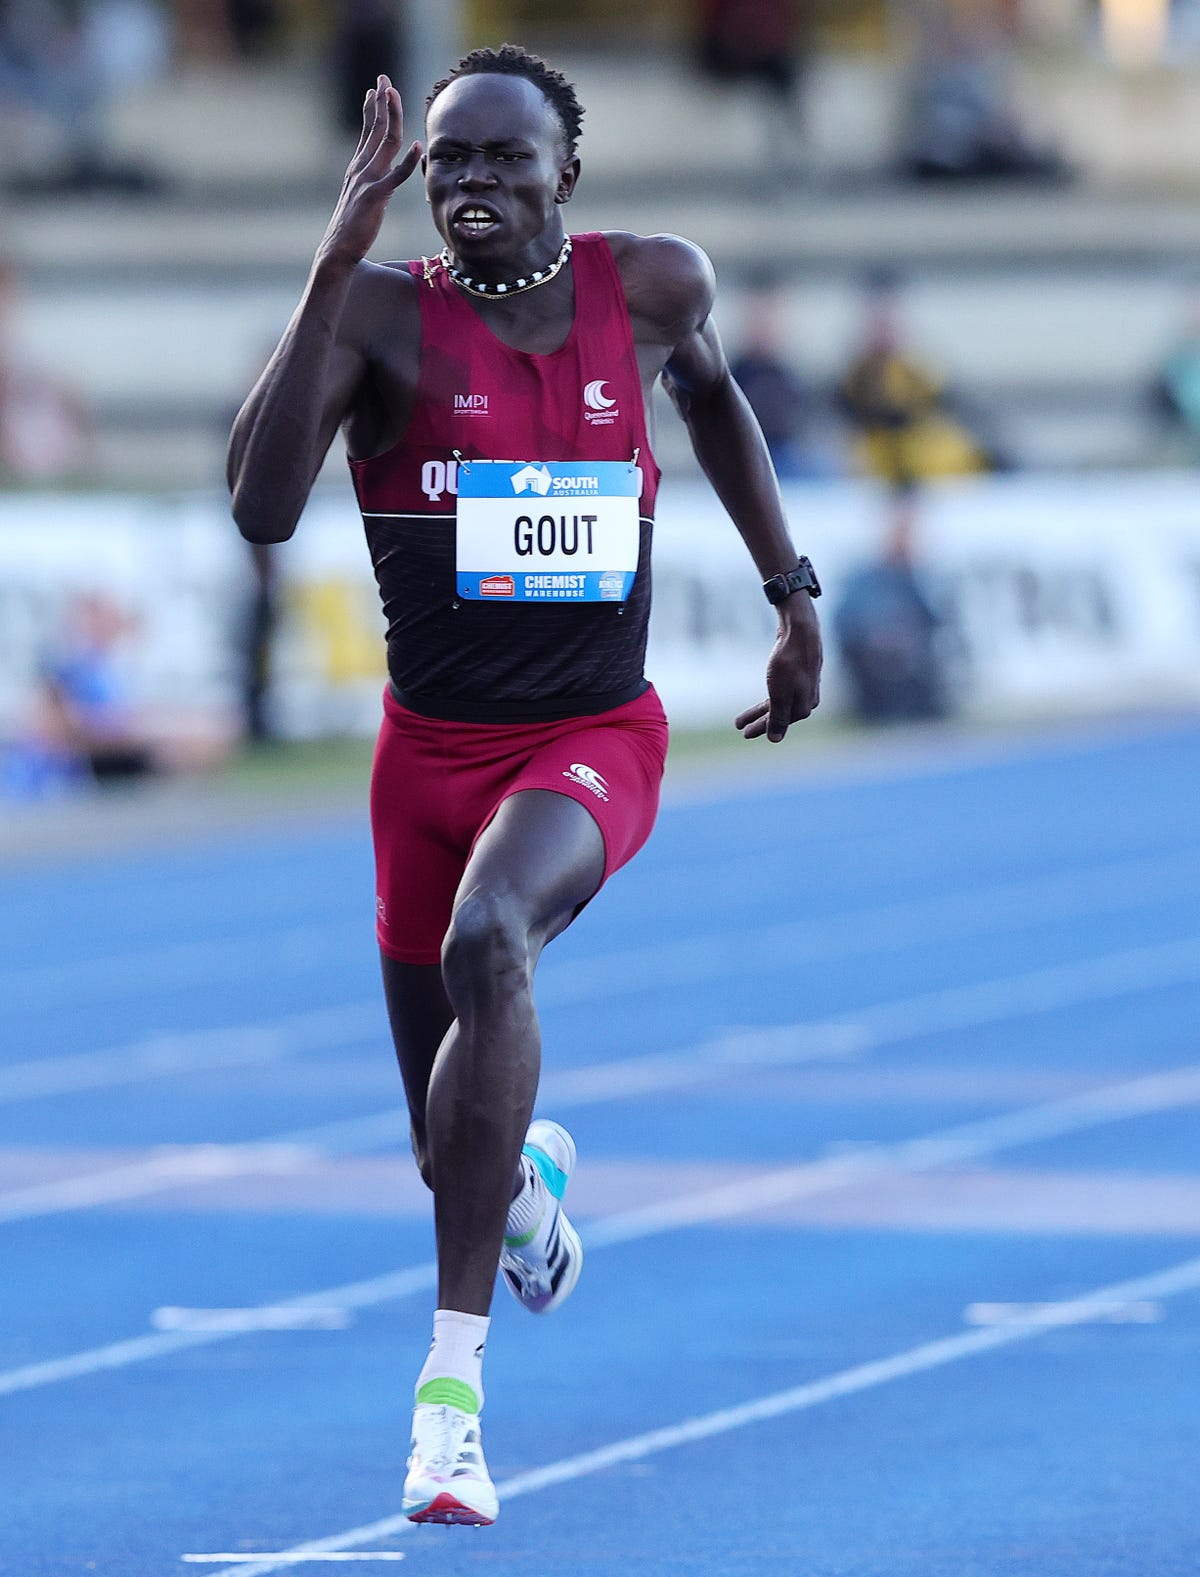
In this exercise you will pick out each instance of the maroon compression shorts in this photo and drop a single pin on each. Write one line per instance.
(436, 785)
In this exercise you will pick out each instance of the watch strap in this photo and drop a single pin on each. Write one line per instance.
(802, 578)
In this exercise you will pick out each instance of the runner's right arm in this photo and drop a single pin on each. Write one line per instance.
(282, 433)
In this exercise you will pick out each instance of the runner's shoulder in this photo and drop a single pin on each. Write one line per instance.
(382, 300)
(668, 280)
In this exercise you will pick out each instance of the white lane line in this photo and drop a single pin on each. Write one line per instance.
(296, 1560)
(959, 1007)
(978, 911)
(954, 1146)
(1017, 904)
(1123, 1311)
(119, 1355)
(176, 965)
(164, 1056)
(266, 1317)
(947, 1147)
(289, 1152)
(172, 1168)
(862, 1377)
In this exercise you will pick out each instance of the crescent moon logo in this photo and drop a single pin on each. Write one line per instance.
(595, 398)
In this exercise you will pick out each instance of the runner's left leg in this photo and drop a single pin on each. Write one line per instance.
(540, 859)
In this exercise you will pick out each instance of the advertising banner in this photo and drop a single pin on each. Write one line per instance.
(1052, 593)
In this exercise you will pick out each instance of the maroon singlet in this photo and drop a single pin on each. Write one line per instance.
(479, 398)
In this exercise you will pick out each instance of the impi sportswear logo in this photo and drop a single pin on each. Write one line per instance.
(589, 778)
(532, 479)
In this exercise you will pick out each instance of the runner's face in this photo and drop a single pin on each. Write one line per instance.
(495, 172)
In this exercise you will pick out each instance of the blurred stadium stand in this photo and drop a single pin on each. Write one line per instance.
(1048, 306)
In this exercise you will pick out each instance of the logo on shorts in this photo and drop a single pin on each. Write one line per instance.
(589, 778)
(381, 911)
(533, 478)
(498, 586)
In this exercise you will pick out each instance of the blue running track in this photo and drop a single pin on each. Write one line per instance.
(885, 1077)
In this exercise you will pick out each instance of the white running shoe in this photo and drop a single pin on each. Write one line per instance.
(541, 1267)
(447, 1479)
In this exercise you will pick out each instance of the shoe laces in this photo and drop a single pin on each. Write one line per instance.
(448, 1439)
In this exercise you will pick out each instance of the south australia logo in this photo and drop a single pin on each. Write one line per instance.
(599, 406)
(532, 479)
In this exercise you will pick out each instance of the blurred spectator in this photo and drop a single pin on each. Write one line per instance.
(257, 641)
(888, 632)
(61, 63)
(898, 407)
(224, 29)
(257, 618)
(367, 40)
(1175, 392)
(961, 124)
(45, 434)
(759, 41)
(81, 729)
(85, 725)
(787, 407)
(86, 693)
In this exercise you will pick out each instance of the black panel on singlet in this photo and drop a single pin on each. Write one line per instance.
(532, 661)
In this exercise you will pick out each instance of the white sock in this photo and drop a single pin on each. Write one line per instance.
(453, 1372)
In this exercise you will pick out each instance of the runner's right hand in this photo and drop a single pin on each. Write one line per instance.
(371, 178)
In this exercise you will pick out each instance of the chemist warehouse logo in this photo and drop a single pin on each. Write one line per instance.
(589, 778)
(599, 407)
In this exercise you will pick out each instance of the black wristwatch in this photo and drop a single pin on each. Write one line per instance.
(802, 578)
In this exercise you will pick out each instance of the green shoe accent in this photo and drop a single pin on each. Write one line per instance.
(555, 1180)
(449, 1393)
(523, 1238)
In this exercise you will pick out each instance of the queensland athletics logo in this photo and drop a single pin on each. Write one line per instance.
(599, 408)
(531, 479)
(589, 778)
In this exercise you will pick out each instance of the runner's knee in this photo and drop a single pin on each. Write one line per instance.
(486, 950)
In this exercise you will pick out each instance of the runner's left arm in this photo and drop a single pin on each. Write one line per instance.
(733, 454)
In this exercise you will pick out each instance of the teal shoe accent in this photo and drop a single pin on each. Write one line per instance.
(554, 1179)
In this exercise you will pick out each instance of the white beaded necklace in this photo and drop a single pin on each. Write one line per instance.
(479, 287)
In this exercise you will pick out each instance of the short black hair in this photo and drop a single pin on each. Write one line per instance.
(511, 60)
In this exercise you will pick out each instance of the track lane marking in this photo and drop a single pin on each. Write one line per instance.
(183, 1165)
(193, 1051)
(1111, 887)
(946, 1147)
(974, 912)
(1056, 986)
(177, 965)
(1176, 1279)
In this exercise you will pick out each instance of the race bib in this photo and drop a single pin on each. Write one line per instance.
(547, 531)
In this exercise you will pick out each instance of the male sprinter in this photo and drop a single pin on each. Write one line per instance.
(493, 400)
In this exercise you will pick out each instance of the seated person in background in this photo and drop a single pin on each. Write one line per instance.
(44, 429)
(87, 711)
(897, 406)
(1175, 391)
(786, 405)
(888, 632)
(962, 119)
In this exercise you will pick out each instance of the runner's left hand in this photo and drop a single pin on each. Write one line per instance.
(793, 673)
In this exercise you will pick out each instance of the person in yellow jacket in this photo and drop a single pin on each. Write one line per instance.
(904, 431)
